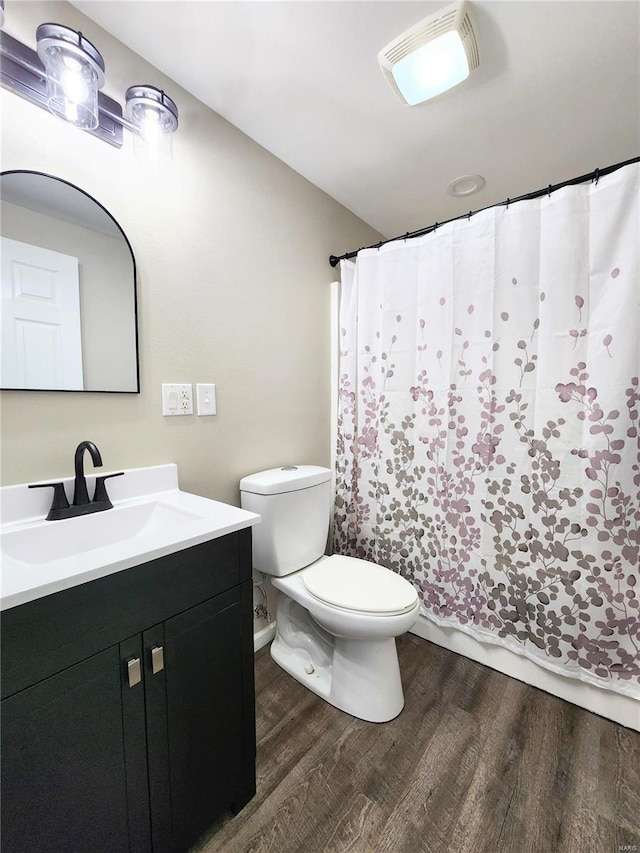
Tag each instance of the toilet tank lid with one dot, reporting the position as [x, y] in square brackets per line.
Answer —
[290, 478]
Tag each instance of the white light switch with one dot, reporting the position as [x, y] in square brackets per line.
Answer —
[177, 399]
[206, 398]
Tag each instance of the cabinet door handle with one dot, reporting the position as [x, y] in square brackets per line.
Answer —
[134, 671]
[157, 659]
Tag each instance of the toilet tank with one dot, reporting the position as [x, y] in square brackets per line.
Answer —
[295, 504]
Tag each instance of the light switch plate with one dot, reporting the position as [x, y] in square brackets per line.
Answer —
[177, 399]
[206, 399]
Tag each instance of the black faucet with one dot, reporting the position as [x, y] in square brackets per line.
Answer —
[81, 504]
[80, 493]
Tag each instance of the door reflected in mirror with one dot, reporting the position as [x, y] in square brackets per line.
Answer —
[69, 315]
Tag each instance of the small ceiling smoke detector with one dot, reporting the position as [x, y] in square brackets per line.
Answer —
[432, 56]
[465, 185]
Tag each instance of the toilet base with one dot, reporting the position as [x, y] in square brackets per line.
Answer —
[358, 676]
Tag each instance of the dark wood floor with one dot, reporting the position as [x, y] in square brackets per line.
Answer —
[476, 763]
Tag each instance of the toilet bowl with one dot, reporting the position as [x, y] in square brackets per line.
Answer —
[337, 617]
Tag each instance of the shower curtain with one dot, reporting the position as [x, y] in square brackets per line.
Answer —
[488, 436]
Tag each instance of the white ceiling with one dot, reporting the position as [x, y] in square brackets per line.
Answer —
[556, 95]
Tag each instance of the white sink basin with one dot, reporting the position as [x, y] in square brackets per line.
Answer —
[48, 541]
[150, 518]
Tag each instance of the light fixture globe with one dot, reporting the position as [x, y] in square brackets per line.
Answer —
[75, 71]
[154, 117]
[431, 57]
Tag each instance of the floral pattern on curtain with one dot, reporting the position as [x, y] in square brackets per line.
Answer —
[488, 435]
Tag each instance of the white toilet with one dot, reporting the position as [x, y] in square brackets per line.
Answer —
[337, 617]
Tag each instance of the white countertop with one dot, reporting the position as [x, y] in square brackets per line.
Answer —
[151, 517]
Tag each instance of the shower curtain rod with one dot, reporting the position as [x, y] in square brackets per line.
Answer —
[334, 260]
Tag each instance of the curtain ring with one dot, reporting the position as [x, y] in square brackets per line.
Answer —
[406, 236]
[508, 203]
[435, 227]
[597, 176]
[549, 191]
[470, 214]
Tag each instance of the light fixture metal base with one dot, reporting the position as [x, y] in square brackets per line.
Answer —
[151, 96]
[23, 73]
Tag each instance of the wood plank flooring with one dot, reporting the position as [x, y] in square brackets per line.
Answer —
[476, 763]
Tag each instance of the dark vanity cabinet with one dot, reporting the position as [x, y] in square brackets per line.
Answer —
[128, 706]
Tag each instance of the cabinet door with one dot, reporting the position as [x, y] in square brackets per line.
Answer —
[63, 762]
[203, 672]
[135, 744]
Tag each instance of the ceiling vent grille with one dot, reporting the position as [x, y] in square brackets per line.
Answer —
[452, 19]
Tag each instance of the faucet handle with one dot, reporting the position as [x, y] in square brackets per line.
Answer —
[100, 495]
[60, 501]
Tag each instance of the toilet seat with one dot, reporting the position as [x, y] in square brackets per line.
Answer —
[348, 583]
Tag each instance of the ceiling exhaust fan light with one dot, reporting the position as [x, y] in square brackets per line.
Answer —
[75, 71]
[431, 57]
[432, 69]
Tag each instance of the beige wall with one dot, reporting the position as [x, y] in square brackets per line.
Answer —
[232, 251]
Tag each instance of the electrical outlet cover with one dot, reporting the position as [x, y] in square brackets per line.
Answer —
[177, 399]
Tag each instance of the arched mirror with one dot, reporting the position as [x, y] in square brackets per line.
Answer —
[69, 316]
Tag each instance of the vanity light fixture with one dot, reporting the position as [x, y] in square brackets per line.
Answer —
[75, 71]
[431, 57]
[65, 75]
[154, 117]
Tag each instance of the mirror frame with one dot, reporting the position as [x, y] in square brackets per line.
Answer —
[135, 289]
